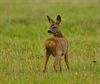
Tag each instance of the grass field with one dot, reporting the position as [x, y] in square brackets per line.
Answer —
[23, 31]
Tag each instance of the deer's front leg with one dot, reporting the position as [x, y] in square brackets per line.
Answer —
[60, 65]
[66, 60]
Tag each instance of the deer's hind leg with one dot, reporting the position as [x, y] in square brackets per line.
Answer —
[46, 60]
[57, 63]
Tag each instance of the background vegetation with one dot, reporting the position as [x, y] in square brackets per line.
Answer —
[23, 31]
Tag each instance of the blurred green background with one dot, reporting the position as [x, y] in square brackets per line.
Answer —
[23, 31]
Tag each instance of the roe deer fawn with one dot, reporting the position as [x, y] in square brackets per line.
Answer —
[56, 46]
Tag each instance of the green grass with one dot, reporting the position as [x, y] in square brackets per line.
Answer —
[23, 31]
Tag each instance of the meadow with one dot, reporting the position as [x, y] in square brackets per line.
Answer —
[23, 31]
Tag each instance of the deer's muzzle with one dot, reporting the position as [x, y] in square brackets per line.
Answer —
[49, 31]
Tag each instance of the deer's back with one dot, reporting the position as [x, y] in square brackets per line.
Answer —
[56, 45]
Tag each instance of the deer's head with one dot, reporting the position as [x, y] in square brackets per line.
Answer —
[54, 27]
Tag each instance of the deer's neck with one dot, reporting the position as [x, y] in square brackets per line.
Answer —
[58, 34]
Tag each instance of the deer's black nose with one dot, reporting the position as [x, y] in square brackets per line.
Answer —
[49, 31]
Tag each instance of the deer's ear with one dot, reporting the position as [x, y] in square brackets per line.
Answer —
[58, 19]
[49, 19]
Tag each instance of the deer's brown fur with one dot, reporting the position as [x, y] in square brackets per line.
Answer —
[56, 46]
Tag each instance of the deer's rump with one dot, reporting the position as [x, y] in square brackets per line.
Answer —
[56, 46]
